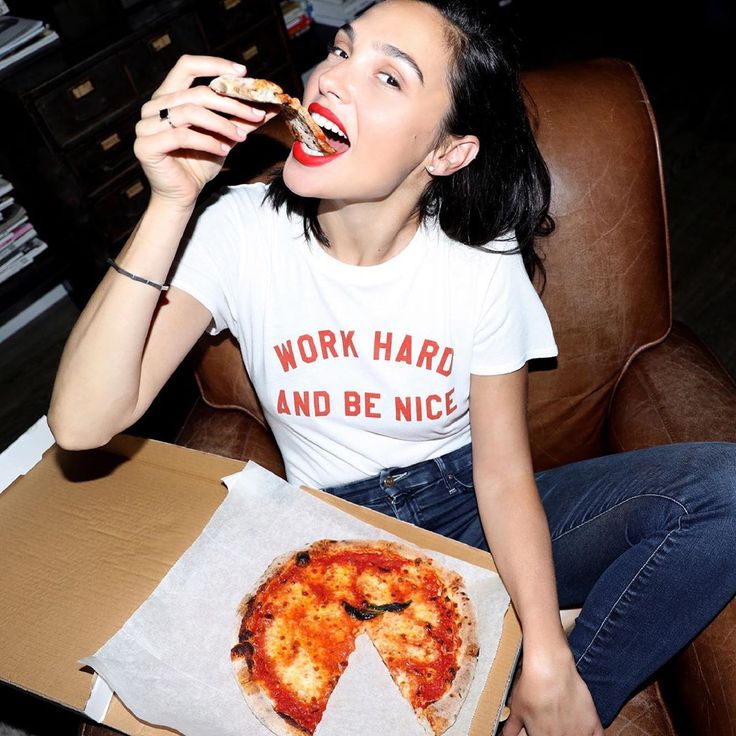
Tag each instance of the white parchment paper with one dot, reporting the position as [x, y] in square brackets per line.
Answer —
[170, 663]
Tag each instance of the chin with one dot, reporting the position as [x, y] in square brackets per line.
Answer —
[310, 182]
[296, 181]
[328, 183]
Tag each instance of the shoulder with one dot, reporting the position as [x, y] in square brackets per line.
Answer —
[476, 264]
[241, 199]
[233, 213]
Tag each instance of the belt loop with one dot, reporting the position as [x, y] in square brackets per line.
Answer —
[447, 477]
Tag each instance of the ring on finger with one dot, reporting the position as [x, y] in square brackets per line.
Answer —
[163, 114]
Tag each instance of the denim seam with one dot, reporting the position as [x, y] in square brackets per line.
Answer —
[625, 591]
[626, 500]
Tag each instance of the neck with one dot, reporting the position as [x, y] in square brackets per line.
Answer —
[368, 233]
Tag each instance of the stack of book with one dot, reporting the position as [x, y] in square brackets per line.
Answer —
[296, 16]
[22, 37]
[337, 12]
[19, 243]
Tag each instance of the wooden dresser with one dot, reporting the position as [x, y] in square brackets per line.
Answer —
[70, 114]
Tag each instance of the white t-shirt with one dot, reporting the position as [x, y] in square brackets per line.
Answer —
[359, 368]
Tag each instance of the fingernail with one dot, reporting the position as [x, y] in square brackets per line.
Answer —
[225, 147]
[239, 68]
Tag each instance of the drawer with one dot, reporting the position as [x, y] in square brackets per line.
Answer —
[104, 155]
[79, 105]
[116, 213]
[149, 60]
[221, 19]
[261, 51]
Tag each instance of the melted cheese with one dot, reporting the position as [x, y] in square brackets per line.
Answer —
[402, 637]
[277, 639]
[338, 579]
[425, 613]
[303, 676]
[376, 590]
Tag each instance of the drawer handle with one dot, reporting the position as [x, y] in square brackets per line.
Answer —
[160, 43]
[249, 53]
[82, 89]
[134, 190]
[230, 4]
[110, 142]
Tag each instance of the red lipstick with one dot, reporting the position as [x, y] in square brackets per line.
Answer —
[306, 159]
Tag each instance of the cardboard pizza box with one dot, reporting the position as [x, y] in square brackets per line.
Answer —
[88, 536]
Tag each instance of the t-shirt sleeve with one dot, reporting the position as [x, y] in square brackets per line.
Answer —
[513, 325]
[208, 264]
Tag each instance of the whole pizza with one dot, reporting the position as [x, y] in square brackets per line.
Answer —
[298, 628]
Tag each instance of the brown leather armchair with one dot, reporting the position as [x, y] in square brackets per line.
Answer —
[626, 376]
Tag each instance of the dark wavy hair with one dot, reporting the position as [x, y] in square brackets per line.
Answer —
[506, 189]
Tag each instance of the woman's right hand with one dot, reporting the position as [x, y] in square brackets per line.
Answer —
[180, 154]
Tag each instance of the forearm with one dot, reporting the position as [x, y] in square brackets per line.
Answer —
[518, 535]
[98, 382]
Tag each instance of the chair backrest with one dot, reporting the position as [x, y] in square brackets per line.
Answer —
[608, 292]
[608, 275]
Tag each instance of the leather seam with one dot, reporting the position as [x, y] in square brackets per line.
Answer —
[665, 224]
[655, 405]
[237, 407]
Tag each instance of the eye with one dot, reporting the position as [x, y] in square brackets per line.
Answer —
[333, 50]
[390, 81]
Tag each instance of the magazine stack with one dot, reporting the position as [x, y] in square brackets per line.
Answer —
[296, 17]
[337, 12]
[21, 38]
[19, 242]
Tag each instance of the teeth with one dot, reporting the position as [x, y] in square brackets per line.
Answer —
[311, 151]
[323, 122]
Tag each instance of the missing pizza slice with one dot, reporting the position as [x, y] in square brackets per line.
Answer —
[322, 138]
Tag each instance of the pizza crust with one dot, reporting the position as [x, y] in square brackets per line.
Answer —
[260, 704]
[296, 116]
[443, 712]
[435, 718]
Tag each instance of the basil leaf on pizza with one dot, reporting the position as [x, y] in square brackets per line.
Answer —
[298, 628]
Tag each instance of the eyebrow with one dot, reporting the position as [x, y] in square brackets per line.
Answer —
[387, 49]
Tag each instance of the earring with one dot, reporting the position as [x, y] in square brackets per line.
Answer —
[430, 168]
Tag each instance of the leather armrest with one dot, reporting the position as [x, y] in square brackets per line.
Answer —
[699, 684]
[231, 433]
[676, 391]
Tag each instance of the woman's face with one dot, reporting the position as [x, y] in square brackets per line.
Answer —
[384, 83]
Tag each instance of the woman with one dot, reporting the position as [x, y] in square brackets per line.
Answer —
[375, 338]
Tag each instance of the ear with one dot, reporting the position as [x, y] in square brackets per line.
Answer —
[456, 153]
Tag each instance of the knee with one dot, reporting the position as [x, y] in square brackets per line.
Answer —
[713, 468]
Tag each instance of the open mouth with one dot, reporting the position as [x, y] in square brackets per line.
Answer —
[326, 131]
[336, 136]
[332, 129]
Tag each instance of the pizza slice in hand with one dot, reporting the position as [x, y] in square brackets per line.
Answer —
[298, 628]
[301, 124]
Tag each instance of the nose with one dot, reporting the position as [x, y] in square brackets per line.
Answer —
[333, 82]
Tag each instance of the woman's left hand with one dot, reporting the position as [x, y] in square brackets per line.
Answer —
[550, 698]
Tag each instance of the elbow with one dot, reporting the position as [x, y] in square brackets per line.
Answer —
[71, 437]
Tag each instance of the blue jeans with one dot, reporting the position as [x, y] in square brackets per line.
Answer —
[642, 540]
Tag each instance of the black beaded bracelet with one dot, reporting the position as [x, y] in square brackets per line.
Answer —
[135, 277]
